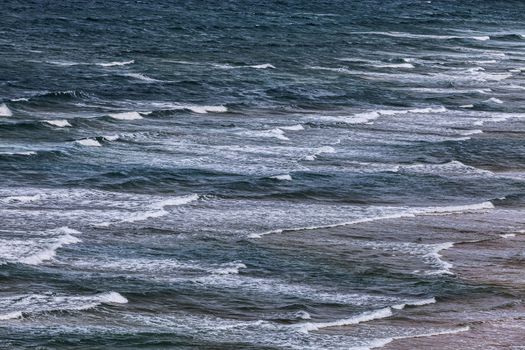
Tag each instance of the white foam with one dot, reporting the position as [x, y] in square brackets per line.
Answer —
[154, 210]
[200, 109]
[471, 132]
[65, 63]
[16, 306]
[402, 213]
[28, 153]
[115, 63]
[110, 137]
[426, 36]
[297, 127]
[364, 317]
[415, 303]
[366, 117]
[284, 177]
[455, 168]
[175, 201]
[508, 235]
[125, 116]
[206, 109]
[151, 267]
[379, 343]
[11, 315]
[444, 267]
[142, 77]
[394, 65]
[303, 315]
[36, 247]
[262, 66]
[494, 100]
[5, 111]
[89, 142]
[275, 133]
[452, 209]
[20, 99]
[256, 66]
[21, 199]
[466, 106]
[60, 123]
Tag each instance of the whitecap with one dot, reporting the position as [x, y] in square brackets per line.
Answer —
[414, 303]
[381, 342]
[142, 77]
[206, 109]
[89, 142]
[394, 65]
[284, 177]
[65, 63]
[318, 151]
[508, 235]
[60, 123]
[494, 100]
[435, 259]
[471, 132]
[21, 199]
[297, 127]
[256, 66]
[126, 116]
[364, 317]
[262, 66]
[27, 153]
[367, 117]
[33, 248]
[16, 306]
[200, 109]
[154, 210]
[454, 168]
[275, 133]
[401, 213]
[110, 137]
[115, 63]
[426, 36]
[5, 111]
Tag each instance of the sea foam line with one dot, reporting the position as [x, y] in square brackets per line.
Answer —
[364, 317]
[408, 213]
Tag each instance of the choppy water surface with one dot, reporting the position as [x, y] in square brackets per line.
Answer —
[261, 175]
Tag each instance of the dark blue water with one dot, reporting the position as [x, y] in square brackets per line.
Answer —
[257, 175]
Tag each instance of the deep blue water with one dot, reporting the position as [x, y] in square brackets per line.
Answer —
[252, 174]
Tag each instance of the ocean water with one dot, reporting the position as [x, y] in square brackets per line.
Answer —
[262, 174]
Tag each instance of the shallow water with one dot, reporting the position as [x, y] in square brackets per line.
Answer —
[265, 175]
